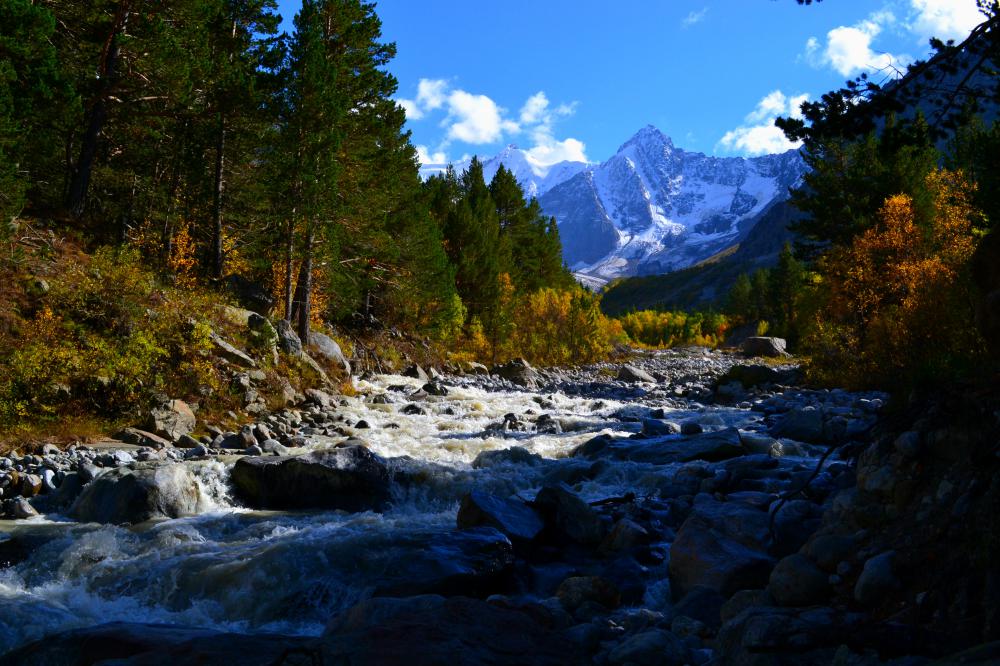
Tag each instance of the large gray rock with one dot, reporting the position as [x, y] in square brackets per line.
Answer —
[708, 446]
[171, 420]
[804, 424]
[754, 375]
[431, 630]
[877, 580]
[325, 347]
[630, 373]
[144, 438]
[124, 495]
[518, 371]
[349, 477]
[721, 545]
[230, 353]
[568, 516]
[288, 340]
[512, 517]
[416, 372]
[769, 347]
[796, 581]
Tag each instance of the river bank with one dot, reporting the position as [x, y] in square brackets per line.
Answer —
[691, 507]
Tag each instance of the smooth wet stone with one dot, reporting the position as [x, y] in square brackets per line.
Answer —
[20, 509]
[512, 517]
[124, 495]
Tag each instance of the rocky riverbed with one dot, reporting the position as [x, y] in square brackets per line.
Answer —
[668, 511]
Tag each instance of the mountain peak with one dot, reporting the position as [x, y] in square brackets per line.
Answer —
[646, 136]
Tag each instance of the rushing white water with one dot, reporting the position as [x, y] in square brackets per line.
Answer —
[290, 572]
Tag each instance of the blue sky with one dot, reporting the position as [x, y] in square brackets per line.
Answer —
[573, 79]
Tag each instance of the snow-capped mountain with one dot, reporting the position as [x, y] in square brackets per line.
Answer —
[653, 208]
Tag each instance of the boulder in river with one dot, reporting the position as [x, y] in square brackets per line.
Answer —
[416, 372]
[568, 516]
[349, 477]
[766, 346]
[124, 495]
[518, 371]
[804, 424]
[632, 374]
[512, 517]
[709, 446]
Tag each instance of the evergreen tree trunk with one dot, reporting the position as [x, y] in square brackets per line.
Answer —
[304, 297]
[77, 195]
[220, 152]
[289, 247]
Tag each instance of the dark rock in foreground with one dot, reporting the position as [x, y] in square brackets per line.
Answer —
[349, 477]
[709, 446]
[155, 645]
[428, 630]
[512, 517]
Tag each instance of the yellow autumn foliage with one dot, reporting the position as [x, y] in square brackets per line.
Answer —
[898, 304]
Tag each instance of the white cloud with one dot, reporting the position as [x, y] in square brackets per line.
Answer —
[944, 19]
[476, 119]
[426, 157]
[849, 49]
[432, 93]
[694, 17]
[535, 108]
[550, 151]
[411, 108]
[760, 136]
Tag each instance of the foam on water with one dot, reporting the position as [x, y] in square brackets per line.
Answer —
[243, 570]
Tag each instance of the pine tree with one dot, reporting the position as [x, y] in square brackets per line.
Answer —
[786, 281]
[34, 93]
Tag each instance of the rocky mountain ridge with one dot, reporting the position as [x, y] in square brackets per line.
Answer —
[652, 207]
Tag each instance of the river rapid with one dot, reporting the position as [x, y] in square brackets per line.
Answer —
[236, 569]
